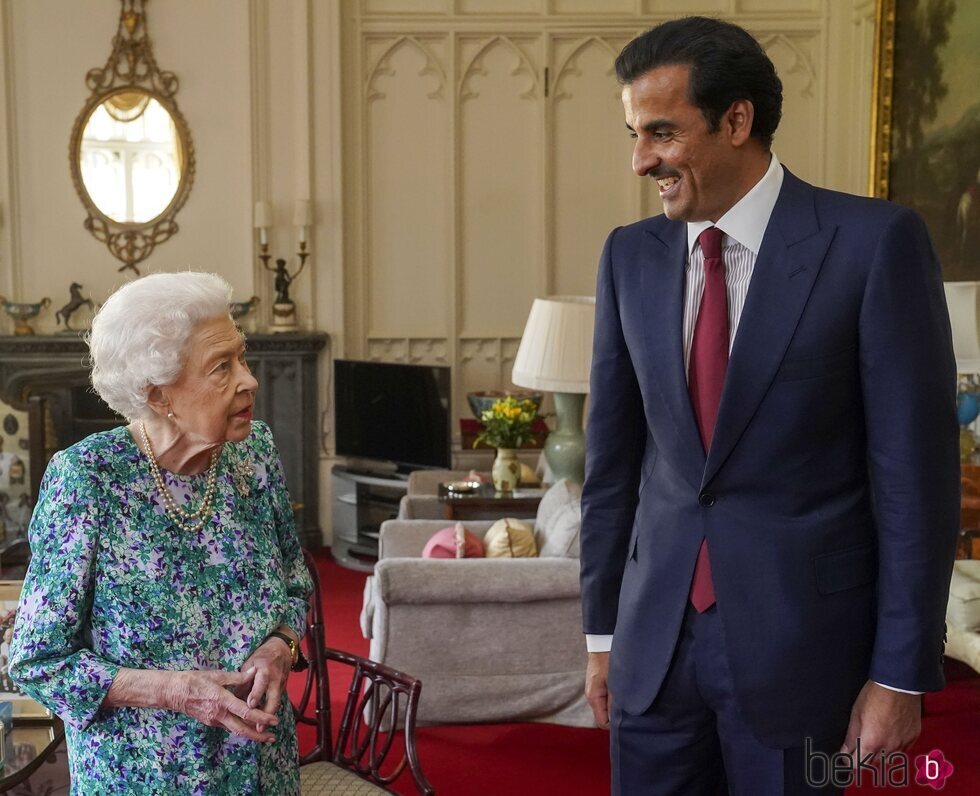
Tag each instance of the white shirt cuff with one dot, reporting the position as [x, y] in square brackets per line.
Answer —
[900, 690]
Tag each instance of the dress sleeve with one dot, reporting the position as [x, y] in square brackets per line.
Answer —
[50, 657]
[298, 582]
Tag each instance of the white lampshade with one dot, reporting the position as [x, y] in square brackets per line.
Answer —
[963, 300]
[263, 215]
[556, 350]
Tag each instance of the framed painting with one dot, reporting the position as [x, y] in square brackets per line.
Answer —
[23, 706]
[925, 149]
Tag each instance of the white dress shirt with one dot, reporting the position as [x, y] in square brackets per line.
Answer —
[744, 226]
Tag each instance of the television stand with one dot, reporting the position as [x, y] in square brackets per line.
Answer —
[362, 500]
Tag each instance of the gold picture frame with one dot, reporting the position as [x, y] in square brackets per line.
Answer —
[925, 122]
[883, 78]
[23, 706]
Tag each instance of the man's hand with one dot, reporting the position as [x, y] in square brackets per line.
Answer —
[596, 691]
[884, 720]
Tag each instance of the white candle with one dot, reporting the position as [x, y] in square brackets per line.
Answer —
[263, 215]
[302, 234]
[263, 236]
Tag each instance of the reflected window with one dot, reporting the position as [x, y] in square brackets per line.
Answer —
[130, 157]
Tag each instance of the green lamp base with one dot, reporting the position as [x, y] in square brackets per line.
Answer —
[564, 450]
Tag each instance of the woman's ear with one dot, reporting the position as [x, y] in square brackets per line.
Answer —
[158, 401]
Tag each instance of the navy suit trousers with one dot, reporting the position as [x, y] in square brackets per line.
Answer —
[694, 740]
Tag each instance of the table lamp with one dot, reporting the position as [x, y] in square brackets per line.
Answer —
[556, 355]
[963, 299]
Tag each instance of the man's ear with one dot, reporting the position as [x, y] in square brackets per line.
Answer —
[157, 400]
[737, 121]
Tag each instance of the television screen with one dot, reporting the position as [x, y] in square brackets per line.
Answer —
[394, 413]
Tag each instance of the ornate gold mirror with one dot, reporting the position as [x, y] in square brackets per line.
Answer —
[132, 160]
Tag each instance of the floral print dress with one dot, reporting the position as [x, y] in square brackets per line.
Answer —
[113, 583]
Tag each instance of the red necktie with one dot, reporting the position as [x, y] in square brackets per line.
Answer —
[706, 377]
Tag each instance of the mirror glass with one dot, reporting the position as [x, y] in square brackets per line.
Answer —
[131, 157]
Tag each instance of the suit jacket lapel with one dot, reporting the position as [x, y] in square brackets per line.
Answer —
[789, 260]
[662, 275]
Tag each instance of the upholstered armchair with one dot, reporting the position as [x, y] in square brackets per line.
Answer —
[963, 614]
[494, 639]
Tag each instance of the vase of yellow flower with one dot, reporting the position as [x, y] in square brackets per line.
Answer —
[506, 470]
[507, 426]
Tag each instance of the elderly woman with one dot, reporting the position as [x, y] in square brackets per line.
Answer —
[167, 592]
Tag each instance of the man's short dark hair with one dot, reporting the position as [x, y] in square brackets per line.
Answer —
[726, 64]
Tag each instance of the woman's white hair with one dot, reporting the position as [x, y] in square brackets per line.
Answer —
[139, 337]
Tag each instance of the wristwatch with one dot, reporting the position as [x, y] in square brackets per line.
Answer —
[299, 662]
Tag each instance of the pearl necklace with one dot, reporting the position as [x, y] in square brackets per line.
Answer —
[190, 521]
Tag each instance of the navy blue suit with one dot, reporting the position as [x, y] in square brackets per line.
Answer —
[830, 493]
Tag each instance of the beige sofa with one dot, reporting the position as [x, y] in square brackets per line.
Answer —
[963, 614]
[491, 639]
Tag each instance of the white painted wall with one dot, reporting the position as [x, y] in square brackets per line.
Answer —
[449, 190]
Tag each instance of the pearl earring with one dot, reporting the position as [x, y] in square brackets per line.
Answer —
[170, 415]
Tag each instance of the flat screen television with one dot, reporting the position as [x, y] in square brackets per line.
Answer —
[392, 413]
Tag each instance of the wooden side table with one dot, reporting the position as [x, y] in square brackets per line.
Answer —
[30, 745]
[488, 504]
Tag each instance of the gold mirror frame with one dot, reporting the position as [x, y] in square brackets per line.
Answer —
[883, 79]
[132, 67]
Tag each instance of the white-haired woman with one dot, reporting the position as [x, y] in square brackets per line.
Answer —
[167, 591]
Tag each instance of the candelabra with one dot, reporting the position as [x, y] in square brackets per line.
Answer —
[283, 309]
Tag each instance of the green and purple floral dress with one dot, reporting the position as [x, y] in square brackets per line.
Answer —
[114, 583]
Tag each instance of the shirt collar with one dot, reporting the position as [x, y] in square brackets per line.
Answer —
[747, 219]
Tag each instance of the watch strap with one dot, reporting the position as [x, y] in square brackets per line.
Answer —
[291, 643]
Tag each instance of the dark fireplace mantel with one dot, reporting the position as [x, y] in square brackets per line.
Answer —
[48, 376]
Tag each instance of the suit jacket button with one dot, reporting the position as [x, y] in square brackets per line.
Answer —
[706, 499]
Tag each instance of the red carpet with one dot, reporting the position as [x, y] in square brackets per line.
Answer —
[548, 760]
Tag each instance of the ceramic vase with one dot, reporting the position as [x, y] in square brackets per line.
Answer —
[506, 470]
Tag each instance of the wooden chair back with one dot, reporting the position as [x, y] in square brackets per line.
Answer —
[381, 705]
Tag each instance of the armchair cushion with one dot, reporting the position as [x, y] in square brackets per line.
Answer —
[562, 494]
[560, 537]
[559, 521]
[406, 581]
[510, 538]
[407, 538]
[453, 542]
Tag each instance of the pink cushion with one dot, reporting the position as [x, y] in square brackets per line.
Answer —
[453, 542]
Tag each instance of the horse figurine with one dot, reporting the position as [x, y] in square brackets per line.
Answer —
[74, 304]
